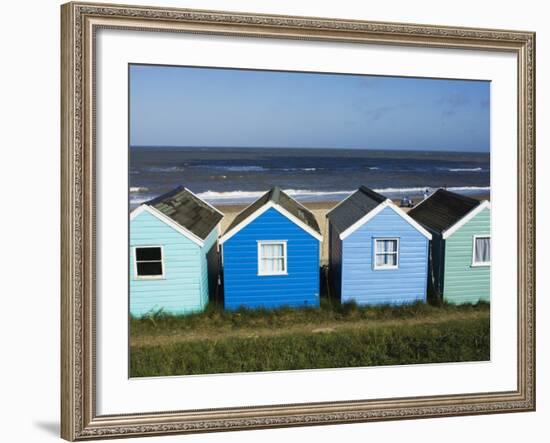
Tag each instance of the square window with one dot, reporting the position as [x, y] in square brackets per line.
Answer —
[272, 258]
[481, 255]
[148, 261]
[386, 253]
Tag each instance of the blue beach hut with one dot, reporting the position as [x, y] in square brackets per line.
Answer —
[271, 254]
[377, 253]
[173, 254]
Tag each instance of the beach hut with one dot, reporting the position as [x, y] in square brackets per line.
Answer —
[271, 254]
[377, 253]
[460, 248]
[173, 254]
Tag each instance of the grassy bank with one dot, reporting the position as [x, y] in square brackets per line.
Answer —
[217, 341]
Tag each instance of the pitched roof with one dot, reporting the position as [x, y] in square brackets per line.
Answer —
[355, 207]
[188, 211]
[442, 209]
[278, 197]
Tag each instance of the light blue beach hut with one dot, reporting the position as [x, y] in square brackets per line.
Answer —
[377, 253]
[173, 254]
[271, 254]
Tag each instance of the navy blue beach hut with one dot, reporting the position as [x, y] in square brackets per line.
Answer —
[271, 254]
[377, 253]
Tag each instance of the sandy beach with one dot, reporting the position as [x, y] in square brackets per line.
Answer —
[319, 209]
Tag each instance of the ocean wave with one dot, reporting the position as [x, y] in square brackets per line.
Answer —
[469, 188]
[466, 189]
[136, 189]
[311, 195]
[165, 169]
[236, 197]
[139, 200]
[463, 169]
[299, 169]
[243, 168]
[253, 168]
[252, 195]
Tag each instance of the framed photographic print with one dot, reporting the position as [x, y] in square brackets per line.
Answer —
[282, 221]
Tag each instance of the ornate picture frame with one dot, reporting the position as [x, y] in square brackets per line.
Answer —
[80, 22]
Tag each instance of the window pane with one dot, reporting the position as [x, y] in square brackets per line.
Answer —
[386, 245]
[148, 254]
[267, 266]
[386, 260]
[149, 268]
[272, 250]
[272, 260]
[272, 265]
[482, 253]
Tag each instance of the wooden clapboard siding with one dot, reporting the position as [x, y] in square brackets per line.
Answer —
[463, 282]
[242, 284]
[365, 285]
[182, 289]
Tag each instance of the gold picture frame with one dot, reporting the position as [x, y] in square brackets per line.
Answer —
[80, 21]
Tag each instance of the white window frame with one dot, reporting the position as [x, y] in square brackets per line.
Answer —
[148, 277]
[374, 254]
[474, 238]
[261, 272]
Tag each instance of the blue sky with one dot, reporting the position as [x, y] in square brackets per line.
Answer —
[180, 106]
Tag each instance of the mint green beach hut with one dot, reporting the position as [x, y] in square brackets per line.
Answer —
[460, 249]
[173, 254]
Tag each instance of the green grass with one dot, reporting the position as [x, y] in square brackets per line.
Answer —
[333, 336]
[215, 318]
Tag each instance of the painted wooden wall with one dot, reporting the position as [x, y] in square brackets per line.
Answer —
[182, 290]
[464, 283]
[362, 283]
[242, 284]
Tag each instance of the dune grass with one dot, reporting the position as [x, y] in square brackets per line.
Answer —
[334, 336]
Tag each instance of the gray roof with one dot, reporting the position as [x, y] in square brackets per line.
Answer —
[188, 211]
[355, 207]
[442, 209]
[278, 197]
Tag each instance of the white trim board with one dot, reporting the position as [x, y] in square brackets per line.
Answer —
[138, 277]
[450, 231]
[480, 264]
[167, 220]
[137, 211]
[263, 209]
[261, 271]
[376, 267]
[385, 204]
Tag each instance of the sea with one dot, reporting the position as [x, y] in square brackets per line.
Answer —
[224, 176]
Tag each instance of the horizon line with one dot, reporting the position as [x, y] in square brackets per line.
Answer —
[304, 147]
